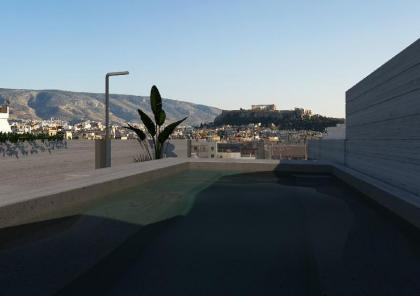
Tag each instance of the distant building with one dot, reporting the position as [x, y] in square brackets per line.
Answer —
[4, 123]
[203, 149]
[52, 131]
[270, 107]
[68, 135]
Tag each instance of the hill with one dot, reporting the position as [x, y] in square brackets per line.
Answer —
[76, 106]
[286, 119]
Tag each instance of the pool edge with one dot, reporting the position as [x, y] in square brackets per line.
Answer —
[33, 206]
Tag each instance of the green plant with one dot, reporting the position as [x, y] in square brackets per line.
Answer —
[156, 130]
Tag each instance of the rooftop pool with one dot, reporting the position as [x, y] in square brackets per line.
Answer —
[217, 232]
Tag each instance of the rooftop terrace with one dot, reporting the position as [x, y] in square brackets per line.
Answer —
[346, 223]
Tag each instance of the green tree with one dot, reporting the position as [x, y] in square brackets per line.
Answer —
[158, 134]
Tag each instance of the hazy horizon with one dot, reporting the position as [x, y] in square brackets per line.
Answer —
[226, 55]
[144, 95]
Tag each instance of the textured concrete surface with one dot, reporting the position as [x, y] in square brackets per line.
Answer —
[383, 122]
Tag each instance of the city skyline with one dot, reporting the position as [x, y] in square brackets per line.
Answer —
[226, 55]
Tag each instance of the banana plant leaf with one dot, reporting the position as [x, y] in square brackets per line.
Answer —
[156, 103]
[147, 121]
[164, 135]
[139, 132]
[161, 118]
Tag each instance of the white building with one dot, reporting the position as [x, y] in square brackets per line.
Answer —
[68, 135]
[4, 123]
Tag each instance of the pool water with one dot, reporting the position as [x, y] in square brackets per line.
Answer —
[157, 200]
[219, 233]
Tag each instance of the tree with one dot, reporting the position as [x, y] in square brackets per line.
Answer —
[157, 133]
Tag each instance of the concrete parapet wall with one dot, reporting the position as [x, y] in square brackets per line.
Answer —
[383, 122]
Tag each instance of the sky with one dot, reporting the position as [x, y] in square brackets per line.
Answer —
[227, 54]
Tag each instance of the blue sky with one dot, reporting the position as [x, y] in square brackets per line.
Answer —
[228, 54]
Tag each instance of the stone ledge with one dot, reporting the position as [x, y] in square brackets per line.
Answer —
[403, 203]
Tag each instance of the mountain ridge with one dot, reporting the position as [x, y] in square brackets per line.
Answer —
[75, 106]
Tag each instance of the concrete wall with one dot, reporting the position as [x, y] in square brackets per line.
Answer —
[332, 150]
[383, 122]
